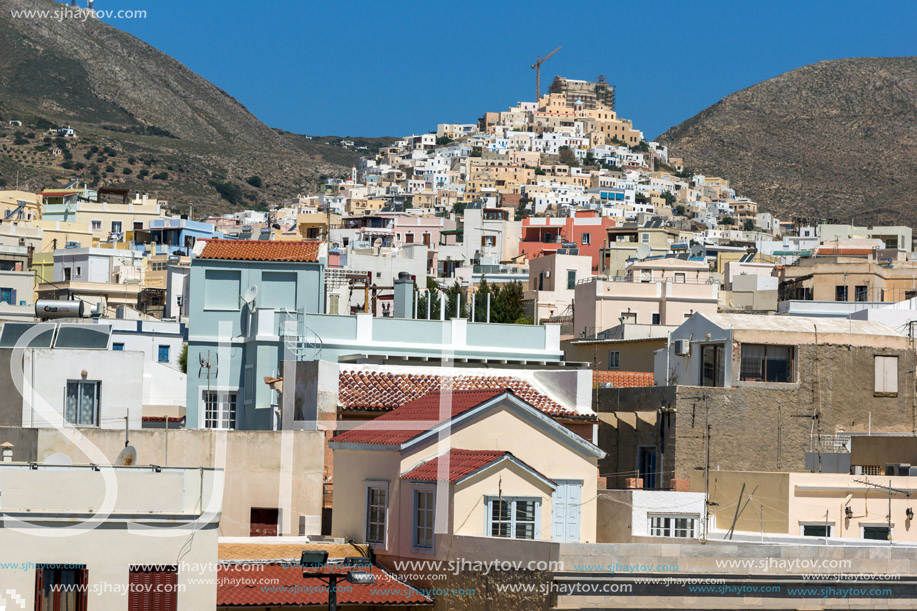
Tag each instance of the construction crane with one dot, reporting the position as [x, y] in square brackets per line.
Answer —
[537, 68]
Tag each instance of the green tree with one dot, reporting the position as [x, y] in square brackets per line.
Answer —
[567, 156]
[727, 220]
[670, 199]
[522, 208]
[443, 140]
[431, 295]
[183, 359]
[254, 181]
[680, 209]
[748, 225]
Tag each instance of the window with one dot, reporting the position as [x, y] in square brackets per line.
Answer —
[629, 317]
[117, 346]
[840, 293]
[153, 588]
[409, 238]
[376, 509]
[163, 354]
[680, 277]
[765, 363]
[67, 272]
[278, 290]
[249, 384]
[513, 518]
[886, 380]
[672, 526]
[8, 295]
[571, 279]
[587, 239]
[116, 226]
[263, 522]
[96, 225]
[656, 318]
[50, 592]
[220, 409]
[816, 530]
[645, 238]
[614, 359]
[82, 403]
[138, 225]
[222, 289]
[488, 240]
[423, 518]
[713, 360]
[646, 275]
[876, 533]
[861, 293]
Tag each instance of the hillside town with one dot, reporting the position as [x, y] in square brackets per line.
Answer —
[532, 361]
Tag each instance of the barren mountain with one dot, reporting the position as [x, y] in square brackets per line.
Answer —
[836, 139]
[143, 120]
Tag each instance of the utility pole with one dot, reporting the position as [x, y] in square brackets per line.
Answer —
[706, 469]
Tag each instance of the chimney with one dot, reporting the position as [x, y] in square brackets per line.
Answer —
[404, 295]
[7, 451]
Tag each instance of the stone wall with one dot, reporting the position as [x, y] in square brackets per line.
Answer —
[753, 426]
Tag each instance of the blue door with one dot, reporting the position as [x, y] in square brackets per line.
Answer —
[565, 507]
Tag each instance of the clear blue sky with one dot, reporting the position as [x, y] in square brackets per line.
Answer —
[357, 68]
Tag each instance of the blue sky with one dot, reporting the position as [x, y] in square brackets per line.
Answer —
[355, 68]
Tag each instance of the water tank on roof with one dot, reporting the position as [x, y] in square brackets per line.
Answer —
[59, 308]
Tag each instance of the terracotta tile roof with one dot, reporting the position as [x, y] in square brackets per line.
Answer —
[623, 379]
[243, 586]
[261, 250]
[280, 551]
[456, 465]
[162, 418]
[461, 463]
[415, 417]
[381, 391]
[831, 250]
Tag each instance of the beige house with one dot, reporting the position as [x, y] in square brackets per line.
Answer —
[109, 529]
[552, 283]
[818, 505]
[653, 292]
[412, 478]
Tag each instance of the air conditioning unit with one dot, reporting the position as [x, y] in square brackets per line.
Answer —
[898, 469]
[682, 347]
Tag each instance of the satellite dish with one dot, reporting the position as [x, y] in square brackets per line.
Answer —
[127, 457]
[250, 294]
[643, 251]
[59, 458]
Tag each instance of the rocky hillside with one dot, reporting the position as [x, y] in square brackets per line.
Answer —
[143, 120]
[837, 139]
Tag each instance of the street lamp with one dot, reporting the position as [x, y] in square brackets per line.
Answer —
[317, 561]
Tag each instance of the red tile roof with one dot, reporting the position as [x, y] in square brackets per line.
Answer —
[59, 192]
[831, 250]
[261, 250]
[282, 584]
[413, 418]
[457, 464]
[380, 391]
[623, 379]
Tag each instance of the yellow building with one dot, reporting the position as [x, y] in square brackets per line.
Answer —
[19, 205]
